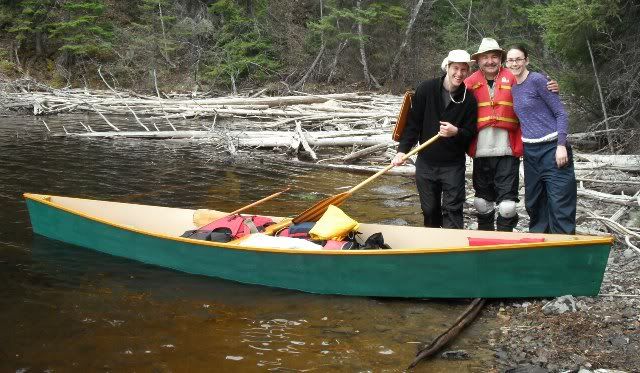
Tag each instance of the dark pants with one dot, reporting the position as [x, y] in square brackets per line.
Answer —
[496, 179]
[550, 192]
[442, 194]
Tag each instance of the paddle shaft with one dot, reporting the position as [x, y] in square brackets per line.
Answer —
[384, 170]
[265, 199]
[315, 212]
[242, 209]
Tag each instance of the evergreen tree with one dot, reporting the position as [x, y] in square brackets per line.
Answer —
[32, 23]
[82, 31]
[242, 48]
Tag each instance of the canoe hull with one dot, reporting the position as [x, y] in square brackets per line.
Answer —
[521, 272]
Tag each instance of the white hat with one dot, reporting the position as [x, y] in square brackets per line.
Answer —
[489, 45]
[456, 55]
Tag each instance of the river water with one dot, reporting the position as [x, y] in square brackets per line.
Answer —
[65, 308]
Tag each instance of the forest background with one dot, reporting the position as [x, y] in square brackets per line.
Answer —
[282, 46]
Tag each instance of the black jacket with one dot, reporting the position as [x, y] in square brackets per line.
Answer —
[427, 110]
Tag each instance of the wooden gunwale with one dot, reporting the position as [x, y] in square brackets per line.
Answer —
[43, 199]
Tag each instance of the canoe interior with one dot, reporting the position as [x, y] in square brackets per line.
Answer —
[172, 222]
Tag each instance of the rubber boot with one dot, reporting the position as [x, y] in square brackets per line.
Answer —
[486, 221]
[506, 224]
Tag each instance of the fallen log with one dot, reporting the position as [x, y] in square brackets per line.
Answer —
[463, 320]
[349, 158]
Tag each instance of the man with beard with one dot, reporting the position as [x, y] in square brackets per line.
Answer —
[497, 149]
[442, 106]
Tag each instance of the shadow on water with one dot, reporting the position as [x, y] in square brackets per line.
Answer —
[66, 308]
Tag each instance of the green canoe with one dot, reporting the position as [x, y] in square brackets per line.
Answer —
[423, 262]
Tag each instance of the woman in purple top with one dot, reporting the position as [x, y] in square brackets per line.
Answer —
[549, 176]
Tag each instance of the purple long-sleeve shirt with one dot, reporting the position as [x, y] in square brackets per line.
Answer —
[540, 111]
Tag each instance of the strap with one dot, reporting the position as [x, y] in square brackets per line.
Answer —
[494, 103]
[501, 119]
[249, 223]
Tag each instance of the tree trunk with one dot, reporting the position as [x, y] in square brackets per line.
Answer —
[368, 77]
[38, 36]
[393, 69]
[604, 108]
[302, 80]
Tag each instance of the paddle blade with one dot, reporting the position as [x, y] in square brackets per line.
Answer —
[315, 212]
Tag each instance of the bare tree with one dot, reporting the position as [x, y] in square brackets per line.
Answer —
[393, 69]
[368, 77]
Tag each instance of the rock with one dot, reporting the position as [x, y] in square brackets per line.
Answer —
[608, 371]
[582, 305]
[560, 305]
[629, 313]
[619, 341]
[342, 330]
[579, 360]
[628, 253]
[501, 355]
[456, 355]
[382, 328]
[394, 221]
[527, 368]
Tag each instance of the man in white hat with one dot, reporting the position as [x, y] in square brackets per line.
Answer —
[498, 146]
[442, 106]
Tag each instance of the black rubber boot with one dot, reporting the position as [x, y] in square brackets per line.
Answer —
[506, 224]
[486, 221]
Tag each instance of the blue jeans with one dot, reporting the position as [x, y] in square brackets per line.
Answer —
[550, 192]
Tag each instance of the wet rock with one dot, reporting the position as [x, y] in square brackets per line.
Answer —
[565, 303]
[342, 330]
[527, 368]
[388, 189]
[382, 328]
[396, 203]
[456, 355]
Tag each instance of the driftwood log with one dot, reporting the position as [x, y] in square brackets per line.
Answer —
[446, 337]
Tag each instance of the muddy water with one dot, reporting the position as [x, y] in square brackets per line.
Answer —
[64, 308]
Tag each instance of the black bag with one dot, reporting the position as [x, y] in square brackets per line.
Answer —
[217, 235]
[374, 242]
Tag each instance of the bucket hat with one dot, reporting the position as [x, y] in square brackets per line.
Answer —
[489, 45]
[456, 55]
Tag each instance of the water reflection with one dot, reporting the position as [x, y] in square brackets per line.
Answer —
[66, 308]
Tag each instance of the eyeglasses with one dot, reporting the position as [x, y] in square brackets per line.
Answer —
[512, 61]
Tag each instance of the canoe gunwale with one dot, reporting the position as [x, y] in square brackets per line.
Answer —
[46, 200]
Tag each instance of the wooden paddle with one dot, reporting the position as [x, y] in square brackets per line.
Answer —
[245, 208]
[315, 212]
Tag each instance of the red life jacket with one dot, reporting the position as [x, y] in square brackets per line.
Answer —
[239, 225]
[497, 112]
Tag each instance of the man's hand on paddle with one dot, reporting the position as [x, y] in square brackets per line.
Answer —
[447, 129]
[397, 160]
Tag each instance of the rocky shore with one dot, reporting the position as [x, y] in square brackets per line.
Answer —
[574, 334]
